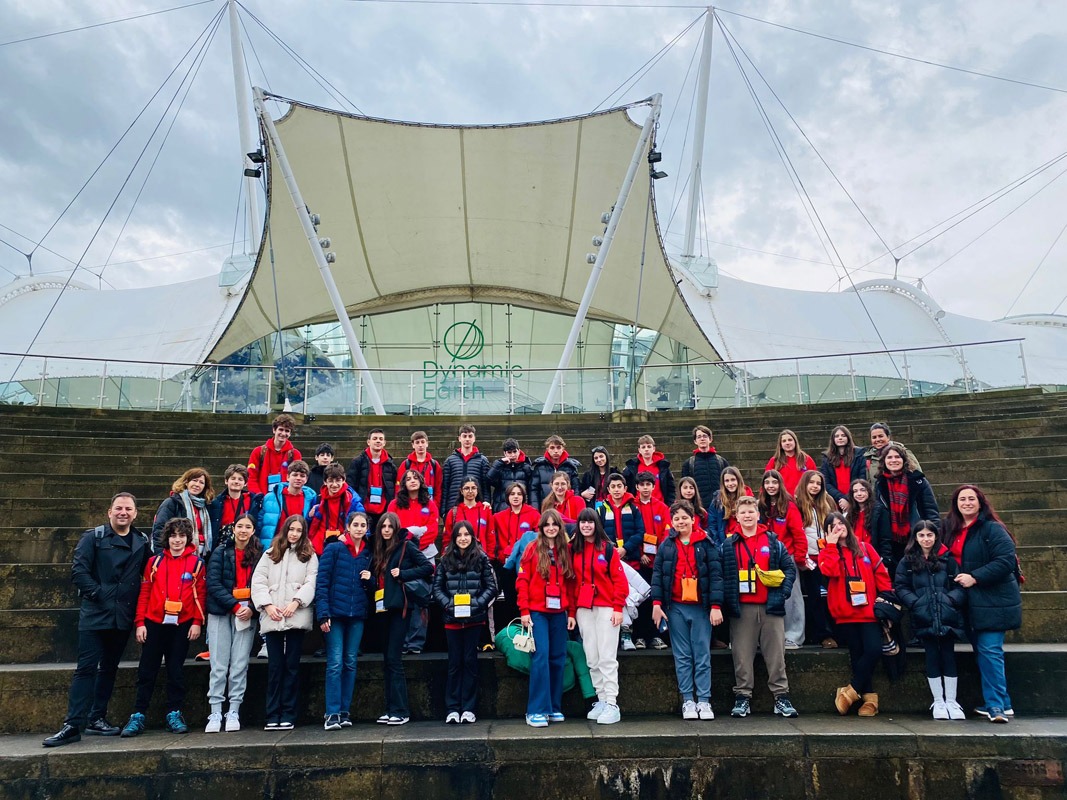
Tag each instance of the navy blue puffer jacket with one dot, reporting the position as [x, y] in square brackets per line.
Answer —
[339, 591]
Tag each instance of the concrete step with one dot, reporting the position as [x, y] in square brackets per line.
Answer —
[50, 635]
[815, 756]
[35, 698]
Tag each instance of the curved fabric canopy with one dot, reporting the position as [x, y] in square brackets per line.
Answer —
[421, 214]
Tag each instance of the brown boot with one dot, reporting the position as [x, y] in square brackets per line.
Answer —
[846, 696]
[870, 705]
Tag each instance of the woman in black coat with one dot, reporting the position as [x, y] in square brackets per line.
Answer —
[464, 586]
[925, 582]
[901, 498]
[989, 571]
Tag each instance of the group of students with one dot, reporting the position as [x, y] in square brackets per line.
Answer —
[815, 552]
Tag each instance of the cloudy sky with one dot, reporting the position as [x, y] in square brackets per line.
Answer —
[918, 146]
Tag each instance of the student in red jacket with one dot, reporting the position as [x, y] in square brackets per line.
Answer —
[860, 508]
[473, 509]
[598, 594]
[545, 573]
[336, 502]
[425, 464]
[268, 464]
[790, 460]
[563, 499]
[856, 576]
[780, 514]
[656, 516]
[508, 527]
[170, 614]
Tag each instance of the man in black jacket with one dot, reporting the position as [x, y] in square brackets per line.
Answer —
[705, 465]
[108, 564]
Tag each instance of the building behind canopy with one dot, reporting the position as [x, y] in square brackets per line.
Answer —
[461, 256]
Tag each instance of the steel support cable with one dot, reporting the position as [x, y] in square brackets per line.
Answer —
[214, 22]
[644, 68]
[188, 80]
[303, 63]
[814, 210]
[783, 156]
[928, 62]
[811, 144]
[1056, 177]
[213, 26]
[1040, 264]
[102, 24]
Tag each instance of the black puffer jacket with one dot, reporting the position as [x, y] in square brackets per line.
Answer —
[456, 470]
[478, 580]
[709, 571]
[936, 602]
[705, 469]
[222, 577]
[994, 602]
[502, 474]
[779, 559]
[543, 470]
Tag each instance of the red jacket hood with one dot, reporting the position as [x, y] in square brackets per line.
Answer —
[656, 458]
[326, 494]
[626, 498]
[474, 452]
[414, 459]
[382, 459]
[697, 451]
[562, 457]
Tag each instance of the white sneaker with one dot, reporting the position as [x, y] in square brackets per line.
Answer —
[704, 711]
[610, 715]
[689, 710]
[262, 651]
[596, 710]
[627, 643]
[452, 718]
[214, 723]
[791, 645]
[940, 709]
[468, 717]
[955, 710]
[233, 722]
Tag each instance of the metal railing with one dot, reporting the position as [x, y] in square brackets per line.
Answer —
[472, 389]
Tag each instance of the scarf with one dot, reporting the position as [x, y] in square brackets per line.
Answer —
[899, 511]
[196, 510]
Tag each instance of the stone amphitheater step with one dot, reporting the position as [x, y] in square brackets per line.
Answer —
[34, 697]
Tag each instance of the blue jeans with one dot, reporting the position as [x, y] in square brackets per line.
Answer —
[690, 628]
[342, 647]
[989, 653]
[546, 662]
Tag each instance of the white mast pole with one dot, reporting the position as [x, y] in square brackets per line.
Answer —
[602, 254]
[248, 143]
[703, 77]
[317, 252]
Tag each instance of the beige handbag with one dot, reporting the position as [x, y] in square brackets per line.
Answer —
[523, 640]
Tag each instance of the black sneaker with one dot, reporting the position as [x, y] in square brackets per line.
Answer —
[784, 707]
[346, 719]
[333, 722]
[742, 706]
[101, 727]
[68, 734]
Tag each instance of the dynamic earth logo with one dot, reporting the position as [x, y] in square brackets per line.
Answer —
[463, 342]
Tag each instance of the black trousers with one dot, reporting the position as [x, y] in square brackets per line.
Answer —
[461, 689]
[864, 641]
[170, 642]
[940, 656]
[816, 614]
[396, 685]
[94, 677]
[283, 674]
[643, 627]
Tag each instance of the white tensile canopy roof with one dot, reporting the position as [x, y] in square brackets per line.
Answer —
[421, 214]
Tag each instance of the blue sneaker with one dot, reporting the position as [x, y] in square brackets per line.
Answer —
[537, 720]
[135, 727]
[556, 716]
[175, 722]
[997, 715]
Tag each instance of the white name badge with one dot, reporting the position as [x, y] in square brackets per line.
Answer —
[461, 605]
[430, 551]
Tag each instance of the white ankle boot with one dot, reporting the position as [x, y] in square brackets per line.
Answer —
[955, 710]
[939, 707]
